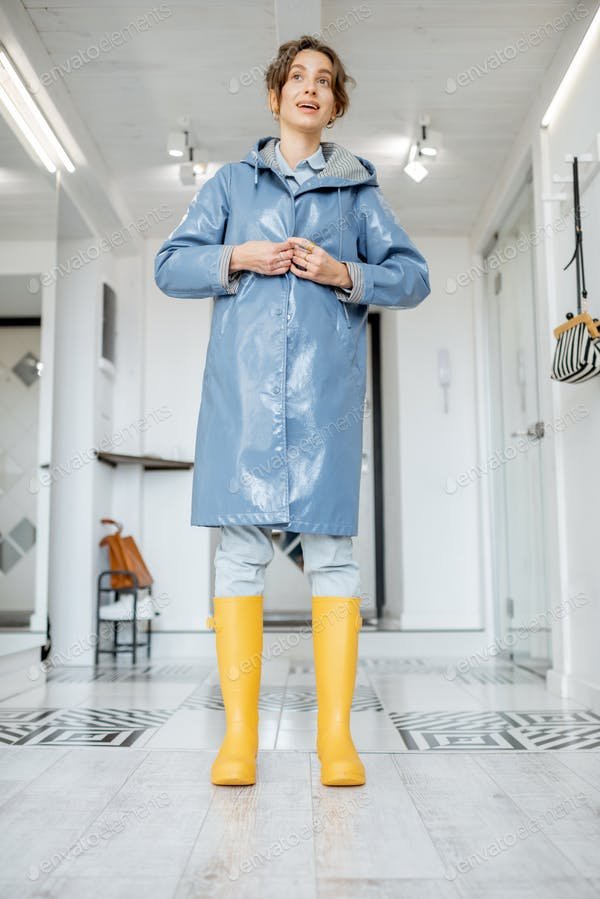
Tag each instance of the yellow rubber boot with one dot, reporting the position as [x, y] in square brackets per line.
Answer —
[238, 623]
[336, 622]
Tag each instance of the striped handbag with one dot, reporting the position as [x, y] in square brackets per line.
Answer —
[577, 352]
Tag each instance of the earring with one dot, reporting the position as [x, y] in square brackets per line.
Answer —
[330, 123]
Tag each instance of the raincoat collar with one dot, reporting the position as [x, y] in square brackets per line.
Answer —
[316, 160]
[342, 168]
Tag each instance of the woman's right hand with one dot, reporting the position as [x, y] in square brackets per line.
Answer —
[262, 256]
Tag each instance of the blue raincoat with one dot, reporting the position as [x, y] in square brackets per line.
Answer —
[279, 433]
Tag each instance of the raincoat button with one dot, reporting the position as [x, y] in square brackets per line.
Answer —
[278, 311]
[276, 390]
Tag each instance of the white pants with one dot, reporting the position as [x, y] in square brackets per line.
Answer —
[245, 551]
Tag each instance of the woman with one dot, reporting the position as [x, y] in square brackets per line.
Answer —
[293, 243]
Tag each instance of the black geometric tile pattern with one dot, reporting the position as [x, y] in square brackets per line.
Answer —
[78, 727]
[211, 697]
[301, 668]
[78, 674]
[494, 730]
[18, 723]
[544, 729]
[499, 676]
[303, 699]
[393, 665]
[486, 673]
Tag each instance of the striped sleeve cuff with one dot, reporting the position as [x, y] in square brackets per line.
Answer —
[230, 283]
[355, 293]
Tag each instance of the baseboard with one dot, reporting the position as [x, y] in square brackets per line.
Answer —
[21, 670]
[297, 643]
[570, 687]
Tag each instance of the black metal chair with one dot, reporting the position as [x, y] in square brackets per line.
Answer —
[119, 611]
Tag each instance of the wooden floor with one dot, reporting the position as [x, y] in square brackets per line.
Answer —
[479, 784]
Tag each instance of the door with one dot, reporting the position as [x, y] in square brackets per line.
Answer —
[517, 430]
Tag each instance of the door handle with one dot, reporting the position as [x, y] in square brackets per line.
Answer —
[536, 430]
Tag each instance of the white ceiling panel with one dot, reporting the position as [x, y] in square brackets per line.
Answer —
[405, 56]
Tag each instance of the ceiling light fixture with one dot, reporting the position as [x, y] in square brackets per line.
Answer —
[197, 166]
[415, 169]
[177, 143]
[25, 112]
[430, 141]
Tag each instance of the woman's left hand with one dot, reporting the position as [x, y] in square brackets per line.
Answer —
[313, 262]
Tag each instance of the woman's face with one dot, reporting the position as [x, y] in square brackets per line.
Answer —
[310, 82]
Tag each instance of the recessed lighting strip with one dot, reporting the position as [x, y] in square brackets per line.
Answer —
[27, 130]
[573, 71]
[33, 108]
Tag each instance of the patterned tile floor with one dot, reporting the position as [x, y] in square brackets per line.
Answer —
[400, 705]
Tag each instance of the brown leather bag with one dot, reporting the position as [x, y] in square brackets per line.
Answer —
[124, 555]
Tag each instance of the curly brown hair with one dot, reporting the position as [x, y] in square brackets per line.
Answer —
[278, 71]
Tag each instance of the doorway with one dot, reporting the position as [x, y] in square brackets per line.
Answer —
[523, 627]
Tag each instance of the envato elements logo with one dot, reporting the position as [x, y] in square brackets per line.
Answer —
[292, 639]
[501, 456]
[341, 224]
[317, 438]
[81, 458]
[104, 831]
[62, 658]
[155, 601]
[500, 257]
[91, 253]
[510, 52]
[105, 45]
[537, 623]
[285, 843]
[533, 825]
[342, 23]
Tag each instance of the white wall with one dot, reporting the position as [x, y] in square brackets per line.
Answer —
[576, 130]
[73, 469]
[431, 527]
[568, 456]
[175, 341]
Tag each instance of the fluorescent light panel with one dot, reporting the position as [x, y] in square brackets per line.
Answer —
[32, 107]
[27, 131]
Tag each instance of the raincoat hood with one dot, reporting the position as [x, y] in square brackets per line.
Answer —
[342, 167]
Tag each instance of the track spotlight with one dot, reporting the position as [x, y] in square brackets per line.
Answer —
[177, 143]
[415, 169]
[430, 141]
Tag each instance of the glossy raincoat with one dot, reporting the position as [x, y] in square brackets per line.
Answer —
[280, 426]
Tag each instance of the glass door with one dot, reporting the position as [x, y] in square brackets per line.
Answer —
[523, 625]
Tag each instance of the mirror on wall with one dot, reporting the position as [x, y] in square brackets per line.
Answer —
[28, 228]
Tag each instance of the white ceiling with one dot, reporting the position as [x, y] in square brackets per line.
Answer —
[402, 54]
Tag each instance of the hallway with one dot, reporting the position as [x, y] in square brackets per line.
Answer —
[479, 782]
[317, 269]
